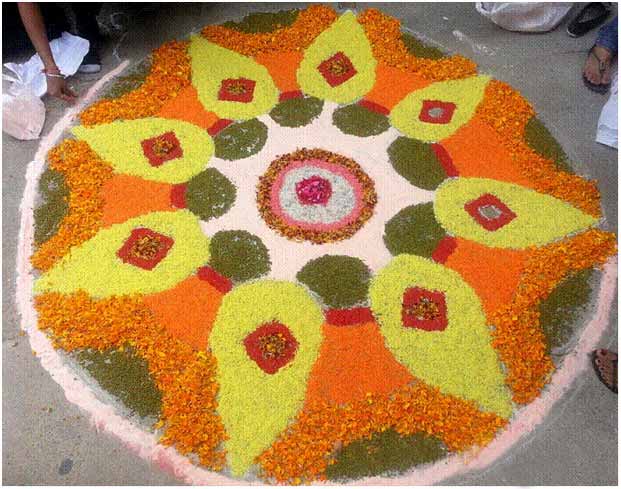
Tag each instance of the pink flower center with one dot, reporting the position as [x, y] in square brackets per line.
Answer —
[314, 190]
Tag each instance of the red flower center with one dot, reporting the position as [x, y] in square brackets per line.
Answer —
[237, 90]
[162, 148]
[337, 69]
[271, 346]
[314, 190]
[145, 248]
[424, 309]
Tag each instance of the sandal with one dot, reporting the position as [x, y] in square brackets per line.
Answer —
[603, 361]
[603, 67]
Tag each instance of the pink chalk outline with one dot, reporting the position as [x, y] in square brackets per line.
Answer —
[105, 419]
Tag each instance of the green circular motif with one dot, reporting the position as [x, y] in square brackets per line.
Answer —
[359, 121]
[297, 112]
[413, 230]
[239, 255]
[209, 194]
[240, 140]
[340, 281]
[416, 162]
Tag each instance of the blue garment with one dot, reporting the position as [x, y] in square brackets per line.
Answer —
[607, 36]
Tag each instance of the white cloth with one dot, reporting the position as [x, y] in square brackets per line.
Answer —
[68, 51]
[525, 16]
[607, 126]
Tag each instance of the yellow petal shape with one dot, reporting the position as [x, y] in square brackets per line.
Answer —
[539, 218]
[256, 406]
[95, 268]
[212, 65]
[459, 359]
[120, 144]
[461, 97]
[344, 36]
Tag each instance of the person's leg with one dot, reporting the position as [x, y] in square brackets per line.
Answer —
[86, 21]
[597, 66]
[87, 27]
[607, 36]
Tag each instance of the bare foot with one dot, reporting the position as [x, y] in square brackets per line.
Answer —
[605, 363]
[597, 66]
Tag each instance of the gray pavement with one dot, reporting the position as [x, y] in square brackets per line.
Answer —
[48, 441]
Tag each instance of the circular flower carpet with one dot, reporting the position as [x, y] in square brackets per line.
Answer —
[308, 247]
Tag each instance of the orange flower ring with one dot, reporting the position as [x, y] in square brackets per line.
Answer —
[327, 250]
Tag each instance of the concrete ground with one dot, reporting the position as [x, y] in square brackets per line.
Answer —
[46, 440]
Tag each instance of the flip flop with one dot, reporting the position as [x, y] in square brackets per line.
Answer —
[603, 66]
[592, 15]
[596, 357]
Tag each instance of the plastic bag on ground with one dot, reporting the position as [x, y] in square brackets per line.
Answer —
[23, 114]
[607, 126]
[525, 16]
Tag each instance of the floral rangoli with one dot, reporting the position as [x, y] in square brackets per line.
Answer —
[308, 247]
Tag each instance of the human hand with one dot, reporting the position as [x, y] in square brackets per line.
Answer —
[57, 87]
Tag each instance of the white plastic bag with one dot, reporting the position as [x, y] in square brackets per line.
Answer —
[608, 124]
[524, 16]
[23, 112]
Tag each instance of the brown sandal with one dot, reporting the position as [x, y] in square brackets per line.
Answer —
[603, 361]
[603, 67]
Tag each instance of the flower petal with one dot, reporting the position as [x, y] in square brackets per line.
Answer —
[131, 147]
[101, 269]
[339, 65]
[505, 215]
[434, 324]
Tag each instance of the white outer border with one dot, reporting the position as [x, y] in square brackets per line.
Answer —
[105, 419]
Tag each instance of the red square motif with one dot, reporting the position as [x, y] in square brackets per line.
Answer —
[437, 112]
[424, 309]
[271, 346]
[162, 148]
[490, 212]
[237, 90]
[145, 248]
[337, 69]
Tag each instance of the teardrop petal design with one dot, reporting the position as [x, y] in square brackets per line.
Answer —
[267, 333]
[434, 324]
[438, 110]
[339, 65]
[145, 255]
[230, 84]
[505, 215]
[158, 149]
